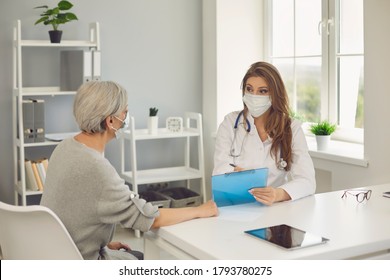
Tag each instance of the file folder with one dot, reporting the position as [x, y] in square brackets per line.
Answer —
[33, 120]
[28, 121]
[232, 188]
[39, 120]
[76, 69]
[96, 71]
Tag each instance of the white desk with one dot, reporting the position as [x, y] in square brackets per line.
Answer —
[355, 230]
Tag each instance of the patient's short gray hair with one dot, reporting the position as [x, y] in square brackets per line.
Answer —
[97, 100]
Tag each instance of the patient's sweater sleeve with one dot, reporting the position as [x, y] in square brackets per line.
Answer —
[117, 204]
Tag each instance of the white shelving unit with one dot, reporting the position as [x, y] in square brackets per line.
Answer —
[177, 173]
[20, 92]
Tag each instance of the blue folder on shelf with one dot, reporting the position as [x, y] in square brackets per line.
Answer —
[232, 188]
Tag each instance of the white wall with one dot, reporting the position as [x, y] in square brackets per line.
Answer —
[232, 34]
[209, 83]
[239, 44]
[152, 47]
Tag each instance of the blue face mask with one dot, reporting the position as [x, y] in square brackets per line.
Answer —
[119, 131]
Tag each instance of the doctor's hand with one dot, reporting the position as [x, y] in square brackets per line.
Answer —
[237, 168]
[269, 195]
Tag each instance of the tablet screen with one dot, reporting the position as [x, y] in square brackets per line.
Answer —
[287, 236]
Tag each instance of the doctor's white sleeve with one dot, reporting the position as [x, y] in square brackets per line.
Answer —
[223, 143]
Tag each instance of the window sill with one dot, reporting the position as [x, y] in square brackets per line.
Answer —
[339, 151]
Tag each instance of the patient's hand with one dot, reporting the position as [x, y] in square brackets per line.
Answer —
[116, 245]
[208, 209]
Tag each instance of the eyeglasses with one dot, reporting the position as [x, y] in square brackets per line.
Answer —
[360, 195]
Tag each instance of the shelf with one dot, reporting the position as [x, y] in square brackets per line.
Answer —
[41, 91]
[63, 44]
[143, 134]
[163, 175]
[186, 172]
[28, 192]
[93, 42]
[170, 174]
[19, 93]
[38, 144]
[52, 139]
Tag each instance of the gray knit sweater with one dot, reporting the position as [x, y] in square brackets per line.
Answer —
[90, 198]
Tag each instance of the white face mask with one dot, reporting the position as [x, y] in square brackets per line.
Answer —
[119, 131]
[257, 104]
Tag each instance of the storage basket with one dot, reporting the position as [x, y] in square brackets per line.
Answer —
[156, 198]
[182, 197]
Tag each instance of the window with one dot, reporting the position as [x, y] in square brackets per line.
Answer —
[317, 45]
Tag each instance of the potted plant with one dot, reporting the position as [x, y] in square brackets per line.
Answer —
[322, 130]
[153, 120]
[55, 16]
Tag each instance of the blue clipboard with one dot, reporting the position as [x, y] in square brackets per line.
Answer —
[232, 188]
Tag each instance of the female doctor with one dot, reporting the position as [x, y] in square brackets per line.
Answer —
[264, 135]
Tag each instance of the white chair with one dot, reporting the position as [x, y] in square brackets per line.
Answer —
[34, 233]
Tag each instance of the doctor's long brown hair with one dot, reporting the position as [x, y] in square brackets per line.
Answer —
[278, 123]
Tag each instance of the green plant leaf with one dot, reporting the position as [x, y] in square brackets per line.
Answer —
[71, 16]
[322, 128]
[41, 19]
[42, 7]
[54, 16]
[64, 5]
[153, 111]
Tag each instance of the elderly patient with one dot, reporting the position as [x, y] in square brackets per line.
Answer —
[86, 192]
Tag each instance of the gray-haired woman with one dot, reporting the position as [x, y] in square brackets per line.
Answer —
[86, 192]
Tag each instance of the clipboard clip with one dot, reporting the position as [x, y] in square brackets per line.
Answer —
[242, 171]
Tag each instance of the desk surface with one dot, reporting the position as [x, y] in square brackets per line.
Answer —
[354, 229]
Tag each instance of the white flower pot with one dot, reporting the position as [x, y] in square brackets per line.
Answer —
[322, 142]
[153, 125]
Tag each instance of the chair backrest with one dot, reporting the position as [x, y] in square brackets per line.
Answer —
[34, 233]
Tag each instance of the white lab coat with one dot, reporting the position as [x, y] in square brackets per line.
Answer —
[298, 182]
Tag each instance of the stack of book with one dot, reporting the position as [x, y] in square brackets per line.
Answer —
[36, 174]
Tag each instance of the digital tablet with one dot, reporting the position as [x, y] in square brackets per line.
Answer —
[287, 237]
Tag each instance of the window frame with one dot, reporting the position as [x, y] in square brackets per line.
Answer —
[329, 28]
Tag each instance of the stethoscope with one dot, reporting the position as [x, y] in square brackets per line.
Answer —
[281, 164]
